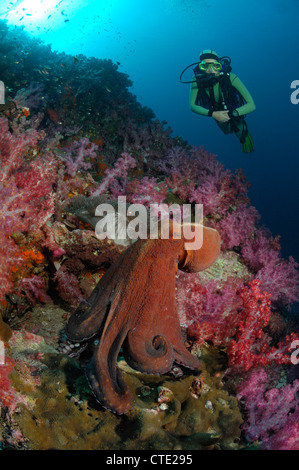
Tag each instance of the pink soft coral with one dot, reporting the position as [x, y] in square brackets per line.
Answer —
[261, 253]
[271, 412]
[147, 191]
[78, 154]
[34, 289]
[68, 286]
[26, 195]
[287, 437]
[13, 146]
[115, 179]
[197, 176]
[238, 226]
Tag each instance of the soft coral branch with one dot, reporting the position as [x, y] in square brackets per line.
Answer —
[78, 154]
[13, 146]
[250, 348]
[115, 179]
[277, 275]
[26, 195]
[269, 412]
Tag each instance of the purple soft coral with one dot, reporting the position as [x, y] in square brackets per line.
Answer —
[76, 155]
[278, 276]
[269, 411]
[112, 177]
[238, 226]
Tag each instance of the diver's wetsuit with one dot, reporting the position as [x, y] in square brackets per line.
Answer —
[235, 125]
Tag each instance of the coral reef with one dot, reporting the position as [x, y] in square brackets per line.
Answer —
[72, 136]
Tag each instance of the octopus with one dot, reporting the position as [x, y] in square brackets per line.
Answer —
[133, 307]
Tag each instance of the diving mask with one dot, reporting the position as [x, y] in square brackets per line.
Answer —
[203, 65]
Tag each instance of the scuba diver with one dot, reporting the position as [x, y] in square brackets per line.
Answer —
[219, 93]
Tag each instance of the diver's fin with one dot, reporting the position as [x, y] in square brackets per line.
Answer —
[247, 143]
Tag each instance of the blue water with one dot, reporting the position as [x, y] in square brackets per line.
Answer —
[154, 40]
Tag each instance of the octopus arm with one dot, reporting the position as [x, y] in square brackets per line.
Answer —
[105, 378]
[152, 355]
[90, 316]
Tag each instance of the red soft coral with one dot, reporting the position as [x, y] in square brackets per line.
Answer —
[251, 346]
[26, 195]
[208, 311]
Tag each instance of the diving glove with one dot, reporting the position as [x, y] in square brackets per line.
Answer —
[247, 143]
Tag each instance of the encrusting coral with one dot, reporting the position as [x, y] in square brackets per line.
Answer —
[48, 405]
